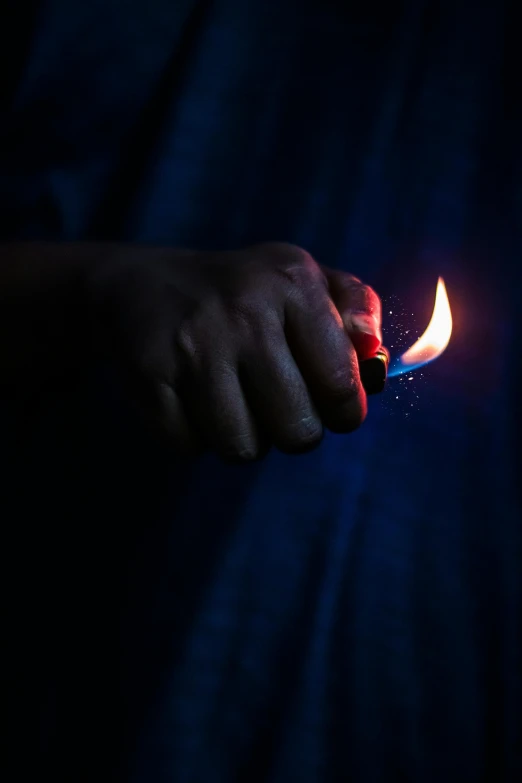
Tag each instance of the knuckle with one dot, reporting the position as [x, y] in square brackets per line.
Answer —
[185, 342]
[347, 418]
[304, 435]
[365, 299]
[282, 250]
[342, 388]
[349, 423]
[248, 454]
[243, 311]
[348, 282]
[240, 448]
[297, 267]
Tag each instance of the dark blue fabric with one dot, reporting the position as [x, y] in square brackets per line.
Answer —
[351, 615]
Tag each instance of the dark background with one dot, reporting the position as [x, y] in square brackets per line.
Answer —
[353, 614]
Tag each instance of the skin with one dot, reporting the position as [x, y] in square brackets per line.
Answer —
[241, 351]
[234, 352]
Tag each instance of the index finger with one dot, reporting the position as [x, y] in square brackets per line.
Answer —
[326, 357]
[360, 309]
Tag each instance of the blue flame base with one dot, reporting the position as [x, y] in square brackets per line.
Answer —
[398, 368]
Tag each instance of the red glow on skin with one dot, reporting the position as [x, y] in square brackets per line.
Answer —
[365, 333]
[366, 345]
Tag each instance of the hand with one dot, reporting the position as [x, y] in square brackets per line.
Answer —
[238, 351]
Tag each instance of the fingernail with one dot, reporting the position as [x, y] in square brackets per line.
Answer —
[365, 332]
[365, 322]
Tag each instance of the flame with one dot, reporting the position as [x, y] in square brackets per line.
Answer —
[434, 340]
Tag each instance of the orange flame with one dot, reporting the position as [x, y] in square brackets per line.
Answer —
[434, 340]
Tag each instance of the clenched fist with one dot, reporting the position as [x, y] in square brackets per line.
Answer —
[236, 351]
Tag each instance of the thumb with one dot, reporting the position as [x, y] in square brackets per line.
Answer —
[360, 309]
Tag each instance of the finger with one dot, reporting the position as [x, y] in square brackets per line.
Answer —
[163, 411]
[219, 407]
[360, 310]
[278, 395]
[326, 358]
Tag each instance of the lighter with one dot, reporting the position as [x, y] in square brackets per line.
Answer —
[374, 371]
